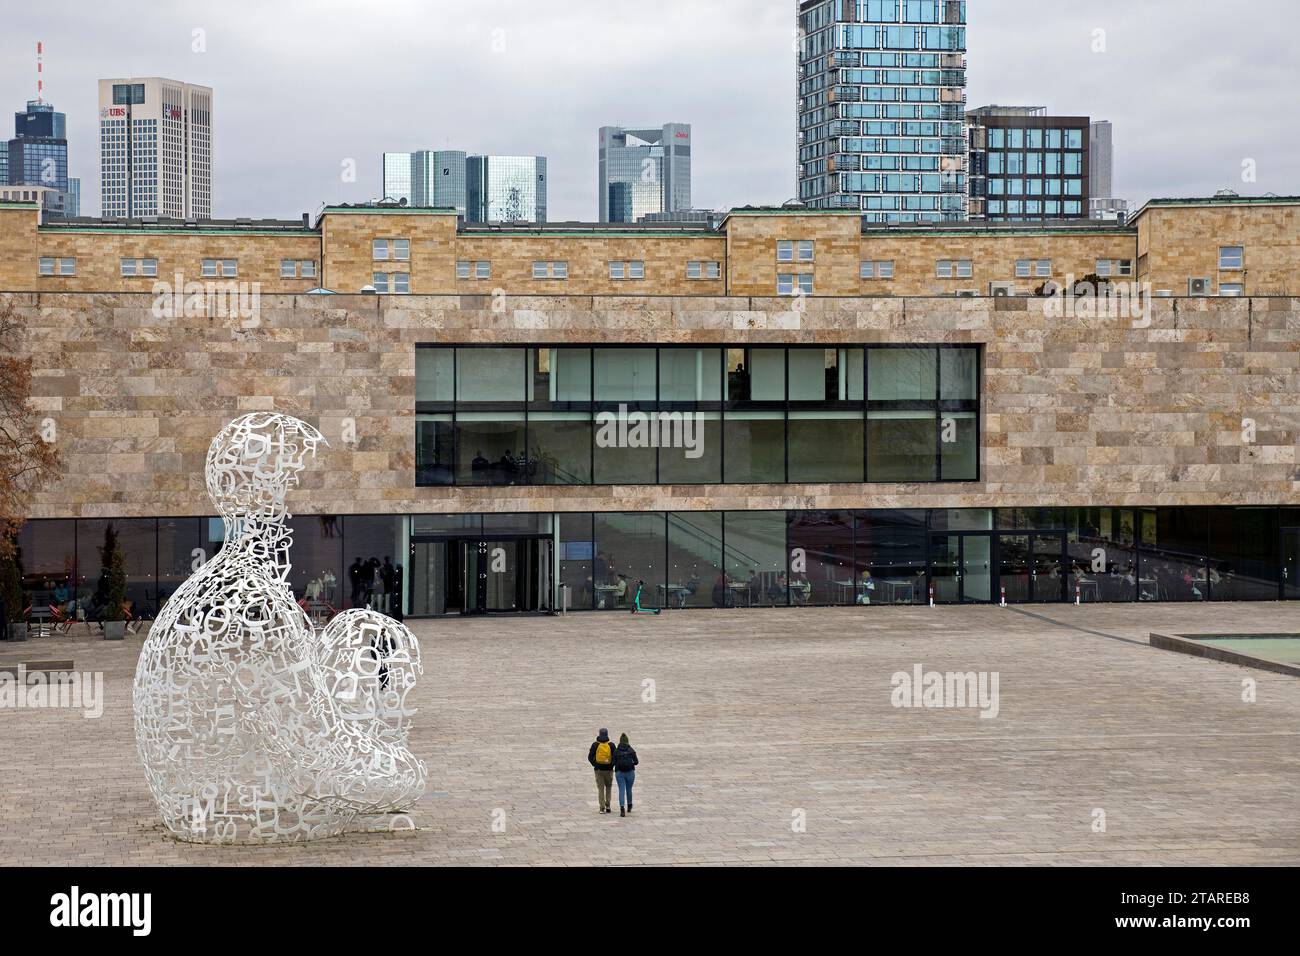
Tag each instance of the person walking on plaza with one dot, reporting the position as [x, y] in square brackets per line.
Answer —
[625, 771]
[601, 758]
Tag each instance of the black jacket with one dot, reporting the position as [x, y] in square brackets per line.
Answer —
[591, 754]
[624, 758]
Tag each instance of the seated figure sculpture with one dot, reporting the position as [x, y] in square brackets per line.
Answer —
[252, 727]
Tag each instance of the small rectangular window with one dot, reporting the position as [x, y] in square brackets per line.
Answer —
[541, 270]
[965, 269]
[402, 282]
[805, 250]
[401, 249]
[45, 267]
[636, 269]
[1023, 267]
[229, 268]
[209, 267]
[380, 249]
[128, 267]
[1125, 267]
[885, 269]
[483, 269]
[288, 269]
[1230, 257]
[462, 270]
[1043, 268]
[713, 270]
[867, 270]
[784, 250]
[560, 270]
[67, 267]
[1103, 268]
[616, 270]
[308, 270]
[693, 270]
[943, 269]
[806, 283]
[785, 284]
[380, 281]
[1231, 288]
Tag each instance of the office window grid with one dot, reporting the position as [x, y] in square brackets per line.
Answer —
[769, 414]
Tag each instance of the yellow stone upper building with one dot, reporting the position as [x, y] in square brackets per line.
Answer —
[1219, 246]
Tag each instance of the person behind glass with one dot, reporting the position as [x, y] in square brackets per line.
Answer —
[625, 762]
[601, 758]
[721, 590]
[386, 575]
[355, 572]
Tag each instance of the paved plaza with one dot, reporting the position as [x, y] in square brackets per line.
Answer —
[765, 736]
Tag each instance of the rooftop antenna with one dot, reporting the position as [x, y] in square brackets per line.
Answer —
[40, 82]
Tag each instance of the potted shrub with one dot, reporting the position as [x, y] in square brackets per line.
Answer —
[12, 625]
[113, 581]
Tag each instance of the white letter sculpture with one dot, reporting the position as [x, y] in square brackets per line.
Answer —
[251, 727]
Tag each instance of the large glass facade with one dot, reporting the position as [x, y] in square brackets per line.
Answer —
[696, 415]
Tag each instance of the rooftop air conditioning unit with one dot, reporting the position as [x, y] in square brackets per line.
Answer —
[1002, 289]
[1198, 286]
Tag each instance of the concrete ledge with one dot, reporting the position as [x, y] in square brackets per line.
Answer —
[1170, 642]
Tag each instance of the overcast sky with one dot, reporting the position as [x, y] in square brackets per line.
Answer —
[301, 87]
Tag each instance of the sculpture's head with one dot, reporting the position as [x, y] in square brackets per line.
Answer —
[255, 460]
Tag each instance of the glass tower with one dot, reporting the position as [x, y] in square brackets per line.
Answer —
[426, 177]
[506, 188]
[38, 156]
[881, 103]
[643, 171]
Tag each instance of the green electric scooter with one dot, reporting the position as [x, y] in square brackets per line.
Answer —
[636, 602]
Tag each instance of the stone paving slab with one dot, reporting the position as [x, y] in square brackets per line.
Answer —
[757, 715]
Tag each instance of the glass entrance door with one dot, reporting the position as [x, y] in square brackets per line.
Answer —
[961, 568]
[477, 576]
[945, 568]
[1290, 563]
[1031, 567]
[977, 568]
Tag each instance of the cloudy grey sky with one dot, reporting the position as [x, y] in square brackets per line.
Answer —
[300, 87]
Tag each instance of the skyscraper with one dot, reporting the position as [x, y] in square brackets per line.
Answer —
[1101, 170]
[643, 171]
[506, 188]
[155, 143]
[38, 156]
[880, 107]
[480, 188]
[426, 177]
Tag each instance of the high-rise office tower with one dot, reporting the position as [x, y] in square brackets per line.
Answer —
[506, 188]
[1026, 165]
[38, 156]
[643, 171]
[1101, 170]
[155, 143]
[880, 105]
[426, 177]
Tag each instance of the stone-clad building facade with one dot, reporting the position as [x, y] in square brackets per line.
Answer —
[879, 439]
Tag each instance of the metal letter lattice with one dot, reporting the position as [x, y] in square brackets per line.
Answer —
[252, 727]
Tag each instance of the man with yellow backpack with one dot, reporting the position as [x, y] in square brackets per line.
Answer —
[601, 758]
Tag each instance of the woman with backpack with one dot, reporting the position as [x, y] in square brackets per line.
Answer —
[625, 773]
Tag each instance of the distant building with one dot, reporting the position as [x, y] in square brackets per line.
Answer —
[1101, 168]
[155, 144]
[38, 156]
[480, 188]
[881, 98]
[643, 171]
[1026, 165]
[506, 188]
[427, 177]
